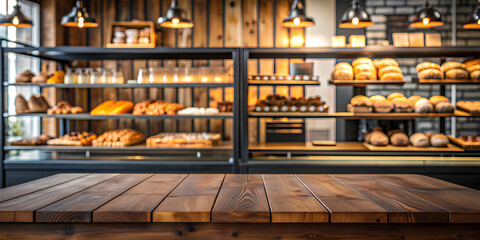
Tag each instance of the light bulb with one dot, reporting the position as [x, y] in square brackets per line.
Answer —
[478, 22]
[426, 21]
[15, 21]
[175, 21]
[80, 22]
[296, 21]
[355, 21]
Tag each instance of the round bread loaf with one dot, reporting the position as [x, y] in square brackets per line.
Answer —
[343, 65]
[444, 107]
[436, 99]
[472, 62]
[377, 98]
[362, 60]
[378, 138]
[423, 106]
[342, 74]
[402, 105]
[366, 76]
[399, 139]
[475, 74]
[414, 99]
[391, 132]
[40, 78]
[439, 140]
[394, 95]
[430, 74]
[427, 65]
[387, 62]
[389, 69]
[456, 74]
[391, 76]
[38, 104]
[24, 77]
[382, 106]
[364, 68]
[361, 101]
[21, 105]
[452, 65]
[473, 68]
[419, 140]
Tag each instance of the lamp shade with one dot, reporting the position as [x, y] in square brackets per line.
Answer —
[297, 18]
[427, 17]
[16, 19]
[78, 17]
[473, 20]
[355, 17]
[175, 17]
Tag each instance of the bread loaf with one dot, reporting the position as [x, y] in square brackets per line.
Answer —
[414, 99]
[419, 140]
[21, 105]
[377, 98]
[473, 68]
[343, 65]
[24, 77]
[439, 140]
[113, 108]
[40, 78]
[342, 74]
[456, 74]
[387, 62]
[427, 65]
[362, 60]
[391, 132]
[364, 68]
[444, 107]
[139, 108]
[366, 76]
[389, 69]
[452, 65]
[402, 105]
[382, 106]
[472, 62]
[399, 139]
[391, 76]
[430, 74]
[57, 77]
[394, 95]
[38, 104]
[361, 101]
[436, 99]
[475, 74]
[423, 106]
[378, 138]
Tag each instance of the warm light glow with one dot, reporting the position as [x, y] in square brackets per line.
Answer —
[217, 79]
[355, 21]
[15, 21]
[81, 23]
[204, 79]
[296, 21]
[478, 22]
[426, 21]
[175, 21]
[297, 41]
[188, 79]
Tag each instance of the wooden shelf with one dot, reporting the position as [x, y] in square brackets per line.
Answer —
[126, 85]
[347, 115]
[283, 82]
[410, 148]
[298, 114]
[447, 81]
[362, 83]
[87, 116]
[305, 147]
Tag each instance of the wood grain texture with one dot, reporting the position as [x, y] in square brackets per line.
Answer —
[79, 207]
[344, 204]
[137, 204]
[37, 185]
[291, 202]
[242, 198]
[402, 207]
[462, 203]
[22, 209]
[191, 201]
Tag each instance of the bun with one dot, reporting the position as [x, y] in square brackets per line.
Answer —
[444, 107]
[436, 99]
[402, 105]
[364, 68]
[414, 99]
[57, 77]
[366, 76]
[456, 74]
[452, 65]
[427, 65]
[382, 106]
[473, 68]
[113, 108]
[389, 69]
[439, 140]
[391, 132]
[38, 104]
[343, 65]
[24, 77]
[475, 74]
[361, 101]
[387, 62]
[391, 76]
[472, 62]
[423, 106]
[377, 138]
[399, 139]
[21, 105]
[391, 96]
[419, 140]
[40, 78]
[342, 74]
[362, 60]
[377, 98]
[430, 74]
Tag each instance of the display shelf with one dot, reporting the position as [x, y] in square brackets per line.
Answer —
[126, 85]
[347, 115]
[410, 148]
[362, 83]
[283, 83]
[446, 81]
[304, 147]
[87, 116]
[298, 114]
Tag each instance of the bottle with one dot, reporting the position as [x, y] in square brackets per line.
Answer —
[70, 77]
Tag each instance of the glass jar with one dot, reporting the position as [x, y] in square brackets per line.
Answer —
[143, 76]
[117, 77]
[107, 76]
[154, 75]
[221, 75]
[190, 75]
[205, 74]
[95, 75]
[70, 77]
[82, 76]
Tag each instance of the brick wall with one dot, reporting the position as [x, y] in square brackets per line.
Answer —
[381, 9]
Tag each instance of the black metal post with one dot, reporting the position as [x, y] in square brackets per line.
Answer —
[237, 111]
[244, 110]
[2, 110]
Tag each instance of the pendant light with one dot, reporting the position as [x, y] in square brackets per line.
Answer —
[175, 17]
[78, 17]
[428, 17]
[355, 17]
[473, 20]
[16, 19]
[297, 18]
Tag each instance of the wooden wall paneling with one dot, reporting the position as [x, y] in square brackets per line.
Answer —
[282, 9]
[297, 40]
[109, 16]
[184, 40]
[169, 94]
[216, 39]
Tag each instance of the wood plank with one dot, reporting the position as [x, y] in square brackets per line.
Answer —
[233, 23]
[344, 204]
[462, 203]
[37, 185]
[402, 207]
[79, 207]
[242, 198]
[136, 204]
[191, 201]
[291, 202]
[22, 209]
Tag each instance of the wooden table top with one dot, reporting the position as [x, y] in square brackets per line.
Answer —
[283, 198]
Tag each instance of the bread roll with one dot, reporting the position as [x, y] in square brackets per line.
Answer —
[430, 74]
[364, 68]
[376, 62]
[40, 78]
[419, 140]
[377, 98]
[444, 107]
[382, 106]
[102, 108]
[38, 104]
[366, 76]
[24, 77]
[423, 106]
[472, 62]
[387, 62]
[402, 105]
[378, 138]
[414, 99]
[452, 65]
[473, 68]
[427, 65]
[391, 76]
[439, 140]
[389, 69]
[456, 74]
[394, 95]
[361, 101]
[21, 105]
[342, 74]
[399, 139]
[343, 65]
[436, 99]
[391, 132]
[475, 74]
[362, 60]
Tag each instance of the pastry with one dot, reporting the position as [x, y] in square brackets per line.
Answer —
[475, 74]
[184, 140]
[394, 95]
[364, 68]
[389, 69]
[430, 74]
[387, 62]
[24, 77]
[427, 65]
[113, 108]
[473, 68]
[399, 139]
[436, 99]
[141, 107]
[439, 140]
[391, 132]
[361, 101]
[444, 107]
[452, 65]
[402, 105]
[41, 78]
[64, 107]
[362, 60]
[378, 138]
[382, 106]
[57, 77]
[414, 99]
[119, 138]
[37, 104]
[74, 139]
[377, 98]
[342, 74]
[38, 141]
[423, 106]
[472, 62]
[391, 76]
[471, 107]
[456, 74]
[366, 76]
[21, 105]
[343, 65]
[419, 140]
